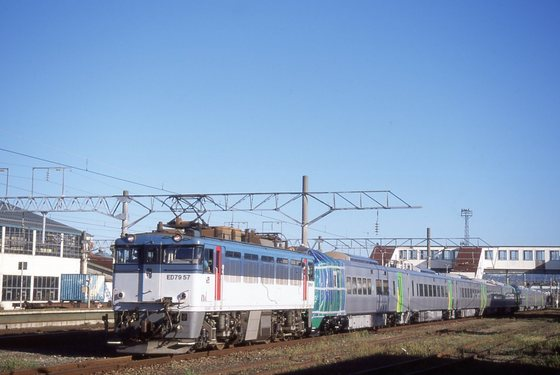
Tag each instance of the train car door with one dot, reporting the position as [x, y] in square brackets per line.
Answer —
[382, 291]
[150, 273]
[213, 270]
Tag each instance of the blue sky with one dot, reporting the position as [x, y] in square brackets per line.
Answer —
[449, 105]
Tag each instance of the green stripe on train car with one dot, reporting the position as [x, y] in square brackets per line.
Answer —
[400, 293]
[483, 297]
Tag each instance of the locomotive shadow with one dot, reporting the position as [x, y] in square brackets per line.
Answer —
[68, 343]
[550, 314]
[387, 364]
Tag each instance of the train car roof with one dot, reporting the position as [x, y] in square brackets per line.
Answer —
[323, 258]
[336, 257]
[157, 238]
[351, 258]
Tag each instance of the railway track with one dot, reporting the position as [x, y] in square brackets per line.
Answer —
[121, 362]
[400, 335]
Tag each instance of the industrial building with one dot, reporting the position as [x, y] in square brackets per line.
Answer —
[34, 252]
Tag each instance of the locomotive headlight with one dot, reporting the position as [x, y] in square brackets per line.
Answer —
[182, 297]
[130, 237]
[119, 295]
[177, 237]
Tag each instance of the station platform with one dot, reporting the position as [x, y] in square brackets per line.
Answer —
[41, 319]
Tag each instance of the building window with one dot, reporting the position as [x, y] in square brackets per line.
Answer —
[539, 255]
[413, 254]
[51, 246]
[71, 246]
[12, 288]
[489, 254]
[502, 255]
[554, 254]
[423, 254]
[18, 241]
[45, 288]
[527, 254]
[514, 255]
[402, 254]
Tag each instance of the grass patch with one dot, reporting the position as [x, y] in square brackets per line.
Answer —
[12, 364]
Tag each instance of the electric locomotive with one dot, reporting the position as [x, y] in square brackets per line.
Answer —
[176, 290]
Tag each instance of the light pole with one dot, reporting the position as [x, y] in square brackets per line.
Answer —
[7, 170]
[21, 266]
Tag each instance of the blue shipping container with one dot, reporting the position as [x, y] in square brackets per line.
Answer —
[74, 287]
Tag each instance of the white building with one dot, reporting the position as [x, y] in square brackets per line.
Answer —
[31, 261]
[509, 264]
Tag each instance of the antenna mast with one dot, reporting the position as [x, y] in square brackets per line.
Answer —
[466, 213]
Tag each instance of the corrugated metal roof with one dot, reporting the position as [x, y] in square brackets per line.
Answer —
[20, 218]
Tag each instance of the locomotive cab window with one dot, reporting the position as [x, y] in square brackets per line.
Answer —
[126, 255]
[150, 255]
[183, 254]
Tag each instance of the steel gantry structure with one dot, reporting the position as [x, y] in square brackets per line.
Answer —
[117, 206]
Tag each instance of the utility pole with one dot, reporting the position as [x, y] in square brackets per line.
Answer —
[124, 214]
[304, 219]
[429, 251]
[22, 266]
[84, 252]
[7, 170]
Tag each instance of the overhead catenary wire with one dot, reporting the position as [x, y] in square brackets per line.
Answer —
[87, 170]
[108, 176]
